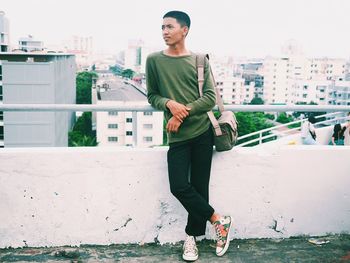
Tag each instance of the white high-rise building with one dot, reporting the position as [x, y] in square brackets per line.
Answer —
[34, 78]
[277, 80]
[322, 92]
[28, 44]
[234, 91]
[82, 48]
[136, 55]
[326, 69]
[141, 129]
[282, 76]
[4, 33]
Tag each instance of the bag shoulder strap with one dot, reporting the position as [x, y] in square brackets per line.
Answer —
[200, 63]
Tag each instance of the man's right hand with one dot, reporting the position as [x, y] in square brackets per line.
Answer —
[178, 110]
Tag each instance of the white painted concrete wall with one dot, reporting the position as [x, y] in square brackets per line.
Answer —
[73, 196]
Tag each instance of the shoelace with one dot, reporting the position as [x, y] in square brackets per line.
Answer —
[218, 231]
[190, 245]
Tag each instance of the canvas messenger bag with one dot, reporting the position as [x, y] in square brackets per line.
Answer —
[225, 126]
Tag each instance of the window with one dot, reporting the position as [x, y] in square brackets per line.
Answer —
[1, 115]
[0, 93]
[113, 139]
[148, 113]
[147, 139]
[113, 113]
[113, 126]
[1, 132]
[233, 90]
[304, 96]
[233, 96]
[148, 126]
[128, 133]
[129, 120]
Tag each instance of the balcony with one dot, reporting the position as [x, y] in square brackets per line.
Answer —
[96, 195]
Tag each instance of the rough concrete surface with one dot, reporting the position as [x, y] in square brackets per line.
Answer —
[335, 248]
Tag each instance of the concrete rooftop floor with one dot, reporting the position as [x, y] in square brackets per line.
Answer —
[336, 248]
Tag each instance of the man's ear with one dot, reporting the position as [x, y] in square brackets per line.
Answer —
[186, 29]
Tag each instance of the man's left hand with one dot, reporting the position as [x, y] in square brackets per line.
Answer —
[173, 125]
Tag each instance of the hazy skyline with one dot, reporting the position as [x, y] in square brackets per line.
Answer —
[251, 28]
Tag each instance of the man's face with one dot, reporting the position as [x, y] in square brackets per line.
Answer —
[172, 31]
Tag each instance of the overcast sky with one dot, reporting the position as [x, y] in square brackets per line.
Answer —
[252, 28]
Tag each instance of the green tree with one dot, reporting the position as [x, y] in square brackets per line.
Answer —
[128, 73]
[84, 86]
[85, 141]
[249, 122]
[283, 118]
[84, 124]
[117, 70]
[257, 101]
[82, 133]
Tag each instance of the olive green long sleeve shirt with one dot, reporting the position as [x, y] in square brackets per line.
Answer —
[175, 78]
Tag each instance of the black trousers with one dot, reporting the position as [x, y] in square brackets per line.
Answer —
[189, 164]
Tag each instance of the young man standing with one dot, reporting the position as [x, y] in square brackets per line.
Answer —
[173, 87]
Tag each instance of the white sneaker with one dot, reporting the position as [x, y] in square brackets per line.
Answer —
[190, 250]
[222, 229]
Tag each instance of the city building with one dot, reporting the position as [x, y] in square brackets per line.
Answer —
[234, 91]
[282, 76]
[82, 48]
[34, 78]
[142, 129]
[251, 71]
[135, 56]
[4, 33]
[28, 44]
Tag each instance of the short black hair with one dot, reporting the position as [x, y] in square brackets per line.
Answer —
[182, 18]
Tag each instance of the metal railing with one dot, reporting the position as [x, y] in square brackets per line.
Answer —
[273, 131]
[145, 107]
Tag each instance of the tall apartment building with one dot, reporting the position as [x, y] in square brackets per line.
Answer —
[323, 92]
[142, 129]
[136, 55]
[34, 78]
[282, 76]
[251, 71]
[4, 33]
[29, 44]
[234, 91]
[82, 48]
